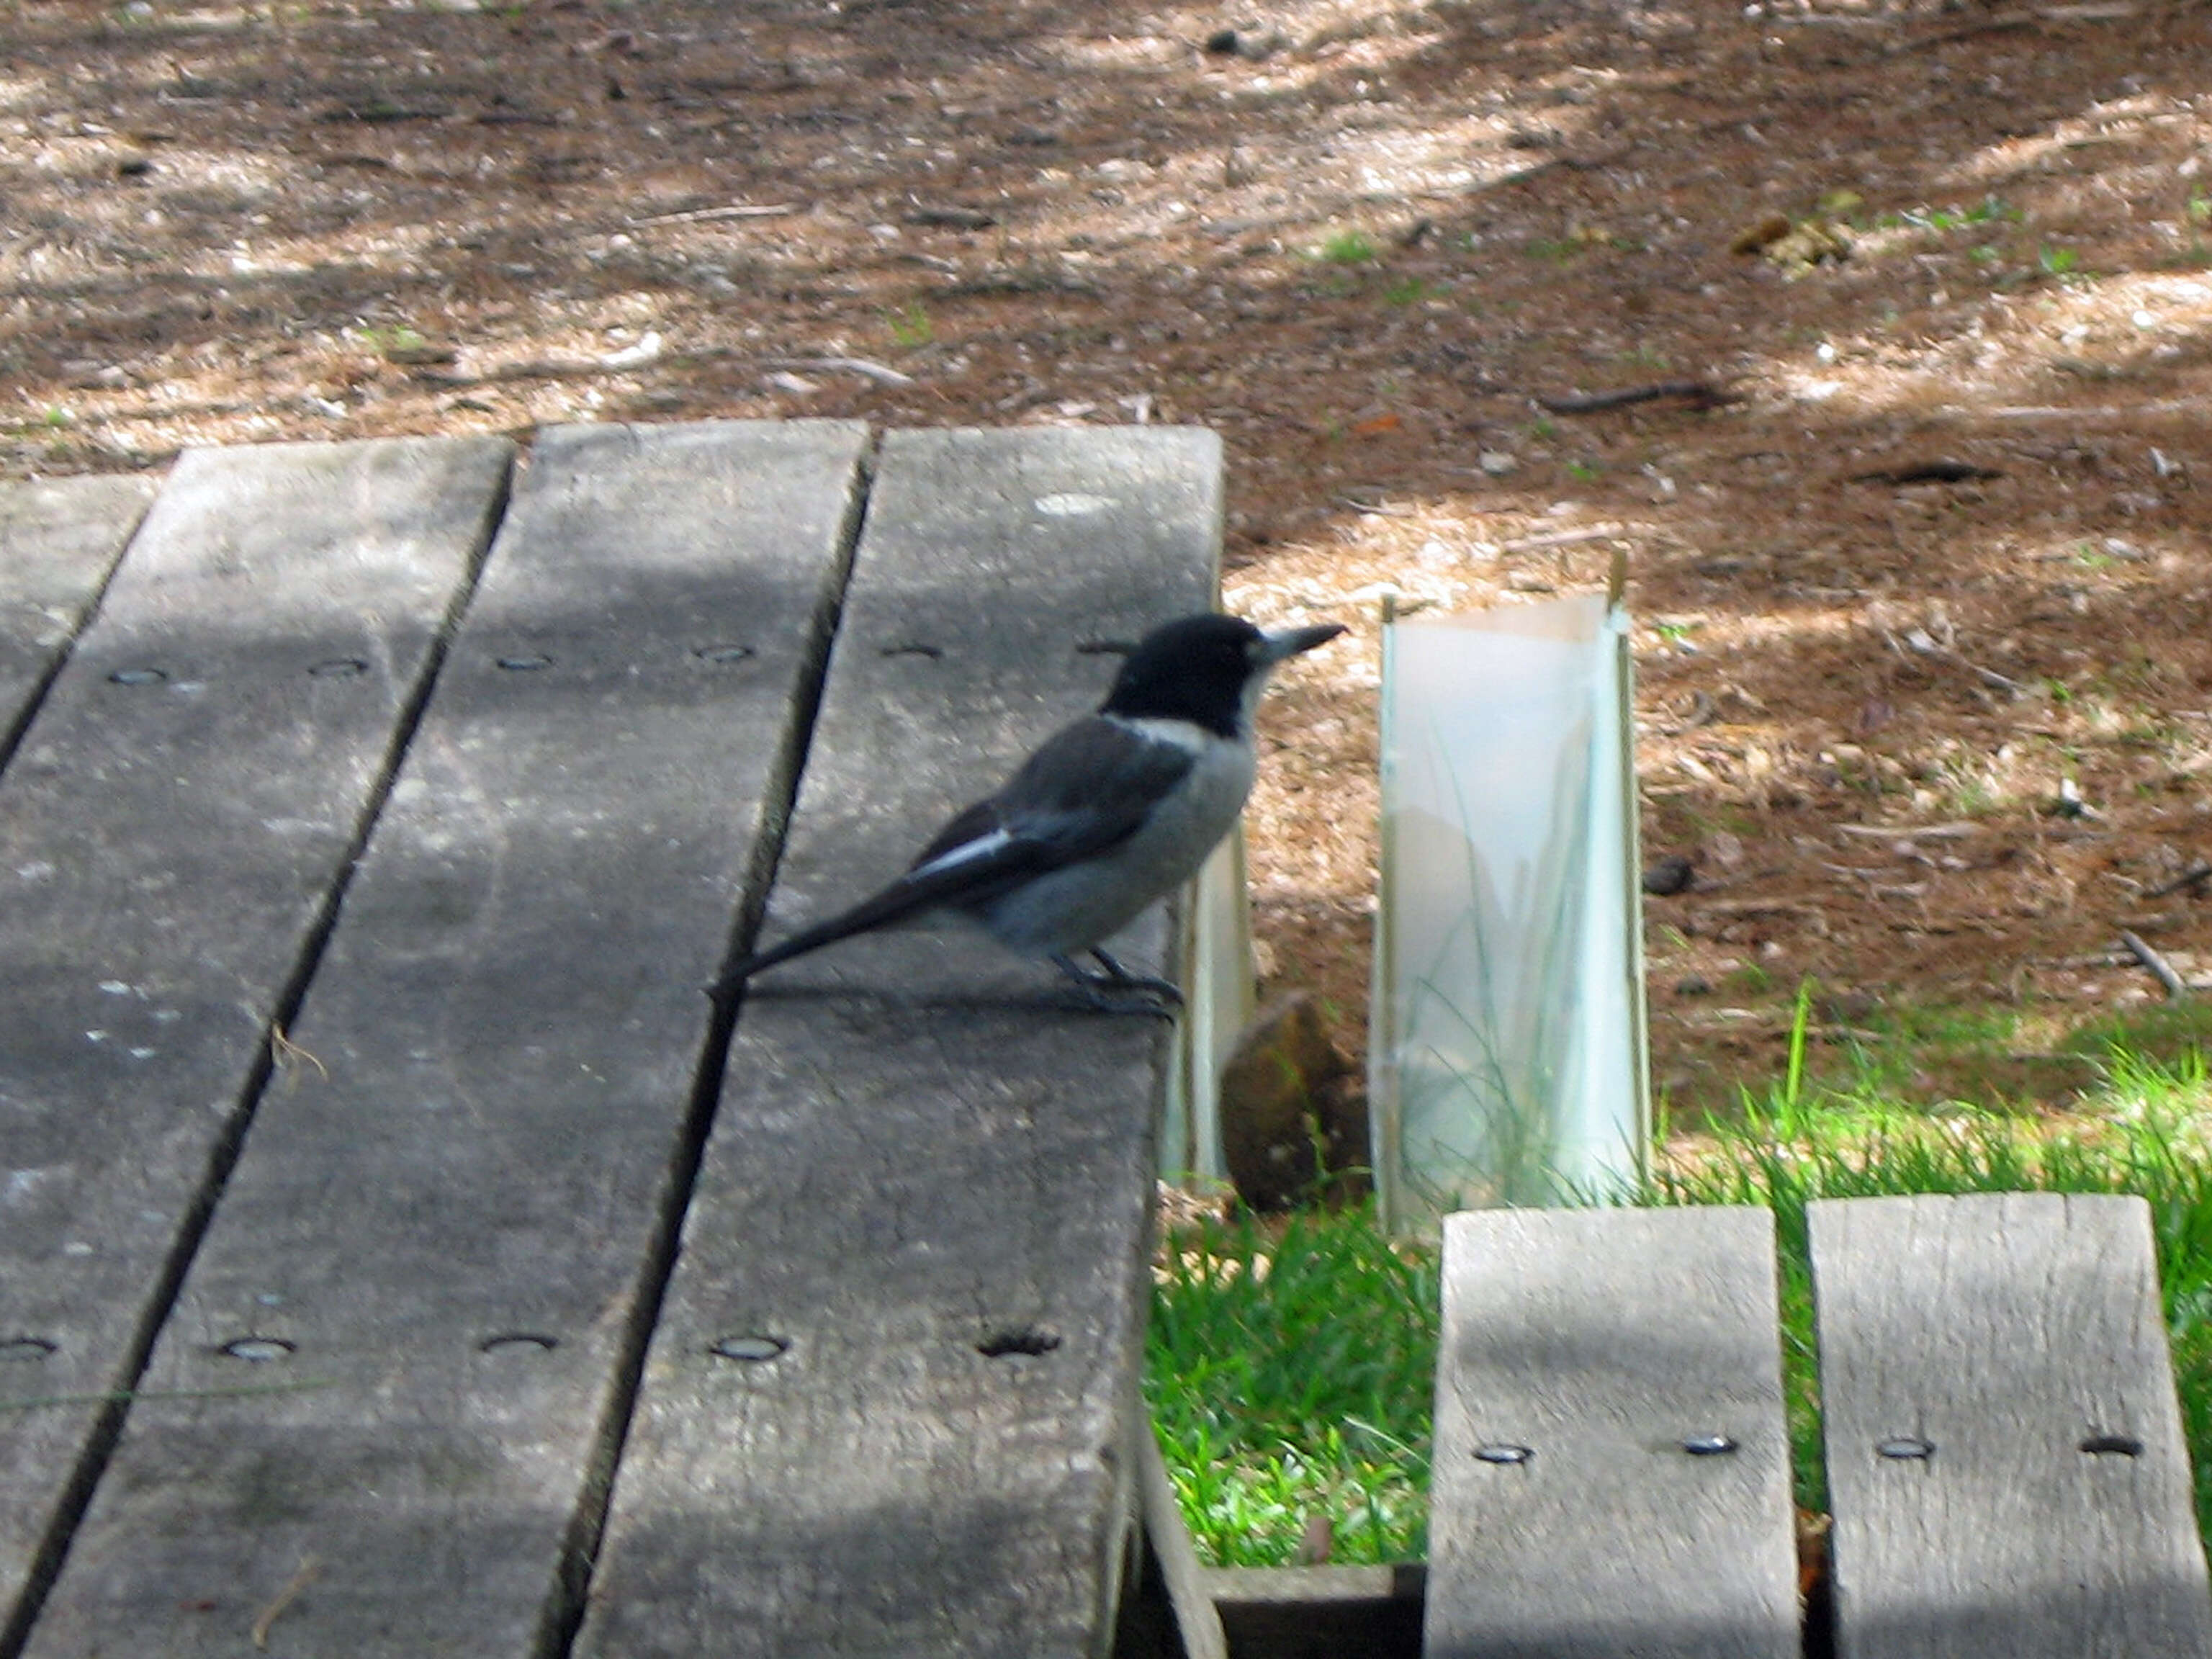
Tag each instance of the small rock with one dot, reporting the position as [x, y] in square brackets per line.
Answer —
[1496, 462]
[1814, 242]
[82, 375]
[1291, 1115]
[1675, 873]
[1759, 234]
[1848, 1007]
[1693, 985]
[946, 217]
[646, 350]
[1251, 43]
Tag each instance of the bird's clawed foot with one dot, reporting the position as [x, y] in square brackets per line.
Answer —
[1115, 990]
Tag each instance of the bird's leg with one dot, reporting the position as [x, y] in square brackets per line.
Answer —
[1167, 990]
[1111, 990]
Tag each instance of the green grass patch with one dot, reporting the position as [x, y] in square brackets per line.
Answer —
[1289, 1370]
[1348, 247]
[2032, 1057]
[1291, 1365]
[909, 326]
[2060, 262]
[2175, 1036]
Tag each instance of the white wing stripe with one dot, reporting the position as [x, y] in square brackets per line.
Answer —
[966, 853]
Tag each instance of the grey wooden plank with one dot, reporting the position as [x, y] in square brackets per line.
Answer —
[2005, 1333]
[494, 1127]
[925, 1203]
[1192, 1625]
[1594, 1366]
[58, 540]
[170, 831]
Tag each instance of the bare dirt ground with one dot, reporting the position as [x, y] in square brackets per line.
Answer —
[1920, 560]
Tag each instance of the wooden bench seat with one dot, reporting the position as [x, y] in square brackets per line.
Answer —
[2005, 1458]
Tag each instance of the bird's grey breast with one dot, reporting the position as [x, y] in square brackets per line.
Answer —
[1184, 828]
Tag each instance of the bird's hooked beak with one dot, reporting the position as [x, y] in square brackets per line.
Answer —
[1283, 643]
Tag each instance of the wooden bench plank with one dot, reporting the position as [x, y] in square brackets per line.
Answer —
[2017, 1338]
[1594, 1366]
[170, 830]
[58, 540]
[1166, 1610]
[890, 1403]
[456, 1213]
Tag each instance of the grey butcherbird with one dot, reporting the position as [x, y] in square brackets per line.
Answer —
[1115, 810]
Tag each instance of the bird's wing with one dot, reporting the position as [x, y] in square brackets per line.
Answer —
[1087, 788]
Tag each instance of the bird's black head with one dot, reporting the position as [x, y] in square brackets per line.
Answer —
[1206, 668]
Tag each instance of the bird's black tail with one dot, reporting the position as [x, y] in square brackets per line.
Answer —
[906, 897]
[893, 904]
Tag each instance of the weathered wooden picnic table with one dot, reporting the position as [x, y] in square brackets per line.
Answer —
[398, 1255]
